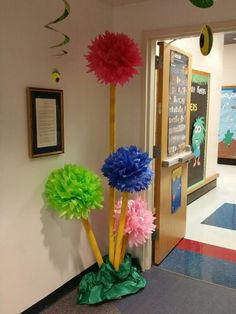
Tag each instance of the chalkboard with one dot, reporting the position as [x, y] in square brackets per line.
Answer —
[178, 96]
[198, 126]
[227, 133]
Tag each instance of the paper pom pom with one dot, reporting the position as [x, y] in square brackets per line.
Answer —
[128, 169]
[73, 190]
[113, 58]
[139, 221]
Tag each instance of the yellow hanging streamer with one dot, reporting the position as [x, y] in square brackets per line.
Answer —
[112, 190]
[93, 242]
[121, 228]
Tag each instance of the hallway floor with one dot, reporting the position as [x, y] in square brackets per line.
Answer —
[198, 211]
[208, 251]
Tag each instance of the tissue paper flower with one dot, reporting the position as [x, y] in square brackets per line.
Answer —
[73, 190]
[139, 221]
[113, 58]
[128, 169]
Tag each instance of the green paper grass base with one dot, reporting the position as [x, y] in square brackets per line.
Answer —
[108, 284]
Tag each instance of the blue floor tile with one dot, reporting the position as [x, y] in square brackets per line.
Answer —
[223, 217]
[201, 267]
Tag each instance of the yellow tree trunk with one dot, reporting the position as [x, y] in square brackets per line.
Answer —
[121, 228]
[112, 190]
[92, 241]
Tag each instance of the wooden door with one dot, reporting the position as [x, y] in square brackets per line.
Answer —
[171, 147]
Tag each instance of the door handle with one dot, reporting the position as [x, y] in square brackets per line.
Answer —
[186, 158]
[169, 162]
[180, 158]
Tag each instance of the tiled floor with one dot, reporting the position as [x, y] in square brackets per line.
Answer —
[198, 211]
[203, 261]
[208, 251]
[223, 217]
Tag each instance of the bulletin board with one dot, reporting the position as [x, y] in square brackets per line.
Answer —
[198, 126]
[227, 129]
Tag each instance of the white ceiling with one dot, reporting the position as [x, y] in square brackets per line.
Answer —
[121, 2]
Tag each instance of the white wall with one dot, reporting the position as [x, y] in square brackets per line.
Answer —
[38, 251]
[213, 63]
[229, 65]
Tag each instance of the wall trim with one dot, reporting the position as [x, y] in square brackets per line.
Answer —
[207, 187]
[227, 161]
[205, 182]
[187, 30]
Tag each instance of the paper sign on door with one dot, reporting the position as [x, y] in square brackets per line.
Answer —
[176, 182]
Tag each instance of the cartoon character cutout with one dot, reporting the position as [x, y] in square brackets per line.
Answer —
[198, 137]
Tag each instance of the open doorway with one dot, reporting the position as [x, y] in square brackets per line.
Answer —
[212, 218]
[213, 64]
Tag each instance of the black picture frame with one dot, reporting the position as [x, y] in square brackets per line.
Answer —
[45, 113]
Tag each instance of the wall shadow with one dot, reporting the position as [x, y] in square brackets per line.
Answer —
[62, 237]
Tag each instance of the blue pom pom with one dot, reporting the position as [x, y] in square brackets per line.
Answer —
[128, 169]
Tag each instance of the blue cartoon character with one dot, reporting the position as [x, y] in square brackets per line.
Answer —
[198, 137]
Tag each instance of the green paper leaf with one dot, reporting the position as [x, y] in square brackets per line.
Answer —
[202, 3]
[109, 284]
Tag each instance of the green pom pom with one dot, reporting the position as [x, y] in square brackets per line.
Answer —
[73, 190]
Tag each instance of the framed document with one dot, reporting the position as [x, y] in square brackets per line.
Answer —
[45, 121]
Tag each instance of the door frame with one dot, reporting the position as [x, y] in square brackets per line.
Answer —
[148, 45]
[171, 225]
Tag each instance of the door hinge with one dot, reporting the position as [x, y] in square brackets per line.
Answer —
[158, 62]
[156, 151]
[155, 235]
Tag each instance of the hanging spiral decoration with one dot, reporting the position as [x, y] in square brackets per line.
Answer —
[66, 38]
[202, 3]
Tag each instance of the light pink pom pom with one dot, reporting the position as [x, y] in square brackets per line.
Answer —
[139, 221]
[113, 58]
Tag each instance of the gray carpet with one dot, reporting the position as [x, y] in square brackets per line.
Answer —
[67, 305]
[165, 293]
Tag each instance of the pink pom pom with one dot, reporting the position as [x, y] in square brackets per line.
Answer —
[113, 58]
[139, 221]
